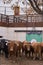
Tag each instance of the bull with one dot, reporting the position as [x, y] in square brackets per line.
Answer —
[26, 48]
[37, 49]
[15, 48]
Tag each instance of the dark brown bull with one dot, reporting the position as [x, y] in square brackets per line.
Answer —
[18, 48]
[26, 48]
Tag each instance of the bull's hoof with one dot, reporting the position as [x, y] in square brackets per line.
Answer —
[36, 58]
[20, 56]
[40, 59]
[33, 58]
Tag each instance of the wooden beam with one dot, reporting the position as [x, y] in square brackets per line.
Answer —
[22, 24]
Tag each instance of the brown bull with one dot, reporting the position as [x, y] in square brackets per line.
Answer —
[11, 47]
[15, 47]
[41, 45]
[18, 48]
[26, 48]
[37, 49]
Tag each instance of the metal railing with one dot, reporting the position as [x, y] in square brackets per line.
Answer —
[21, 18]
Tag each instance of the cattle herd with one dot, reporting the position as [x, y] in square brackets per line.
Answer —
[17, 48]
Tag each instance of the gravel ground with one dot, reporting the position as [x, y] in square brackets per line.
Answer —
[19, 61]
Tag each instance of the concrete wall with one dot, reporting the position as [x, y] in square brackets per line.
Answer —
[9, 33]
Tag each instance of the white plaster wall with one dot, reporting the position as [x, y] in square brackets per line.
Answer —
[20, 36]
[3, 32]
[9, 33]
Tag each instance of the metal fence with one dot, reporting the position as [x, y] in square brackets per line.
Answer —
[21, 18]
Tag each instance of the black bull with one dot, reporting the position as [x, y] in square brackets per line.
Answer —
[2, 46]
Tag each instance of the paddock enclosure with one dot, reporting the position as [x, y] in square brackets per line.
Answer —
[21, 32]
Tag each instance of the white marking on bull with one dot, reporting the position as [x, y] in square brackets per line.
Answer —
[11, 49]
[21, 50]
[28, 49]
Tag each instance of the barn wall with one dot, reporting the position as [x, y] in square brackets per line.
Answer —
[9, 33]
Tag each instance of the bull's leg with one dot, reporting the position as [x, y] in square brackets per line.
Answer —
[0, 50]
[17, 53]
[26, 53]
[41, 52]
[35, 55]
[20, 52]
[40, 55]
[10, 53]
[32, 54]
[23, 51]
[29, 54]
[31, 51]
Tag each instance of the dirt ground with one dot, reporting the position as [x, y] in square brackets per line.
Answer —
[19, 61]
